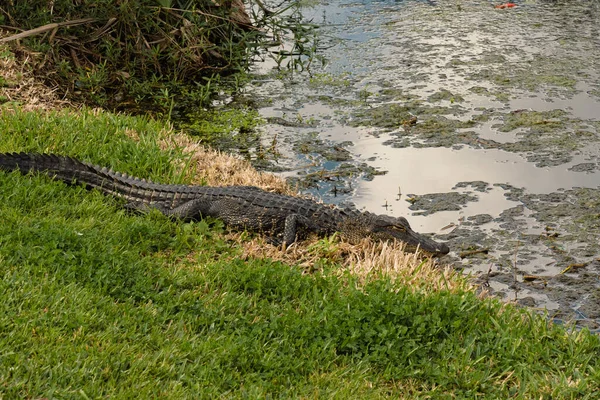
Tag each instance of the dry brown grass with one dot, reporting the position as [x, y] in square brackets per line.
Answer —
[22, 86]
[216, 168]
[367, 260]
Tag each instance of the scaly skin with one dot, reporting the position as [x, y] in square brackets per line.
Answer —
[284, 219]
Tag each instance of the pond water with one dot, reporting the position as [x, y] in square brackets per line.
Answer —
[480, 125]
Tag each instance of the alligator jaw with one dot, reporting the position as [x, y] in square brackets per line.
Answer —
[416, 241]
[386, 227]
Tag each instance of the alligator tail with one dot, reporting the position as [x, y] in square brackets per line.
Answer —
[71, 171]
[59, 167]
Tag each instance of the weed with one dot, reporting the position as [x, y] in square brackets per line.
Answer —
[225, 129]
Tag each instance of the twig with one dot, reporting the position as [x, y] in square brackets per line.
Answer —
[46, 28]
[264, 8]
[471, 252]
[101, 31]
[573, 266]
[515, 270]
[244, 24]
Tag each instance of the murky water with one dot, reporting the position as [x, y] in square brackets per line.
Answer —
[486, 122]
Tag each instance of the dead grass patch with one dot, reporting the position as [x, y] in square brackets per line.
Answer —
[367, 260]
[19, 84]
[216, 168]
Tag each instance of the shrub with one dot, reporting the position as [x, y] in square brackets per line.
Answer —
[123, 52]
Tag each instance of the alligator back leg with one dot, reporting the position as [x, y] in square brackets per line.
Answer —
[280, 228]
[191, 210]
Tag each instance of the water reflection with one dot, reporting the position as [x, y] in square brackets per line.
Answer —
[438, 170]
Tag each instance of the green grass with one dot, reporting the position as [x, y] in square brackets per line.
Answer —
[97, 302]
[96, 136]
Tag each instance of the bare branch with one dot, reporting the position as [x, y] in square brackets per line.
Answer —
[46, 28]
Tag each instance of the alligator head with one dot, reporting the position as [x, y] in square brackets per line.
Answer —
[385, 227]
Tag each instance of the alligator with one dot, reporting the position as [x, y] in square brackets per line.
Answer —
[282, 218]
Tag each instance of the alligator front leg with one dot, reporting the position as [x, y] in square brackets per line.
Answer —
[290, 229]
[298, 226]
[279, 237]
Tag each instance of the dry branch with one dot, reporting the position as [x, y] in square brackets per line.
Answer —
[46, 28]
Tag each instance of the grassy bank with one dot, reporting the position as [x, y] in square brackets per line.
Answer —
[101, 303]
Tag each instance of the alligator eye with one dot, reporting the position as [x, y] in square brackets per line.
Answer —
[398, 228]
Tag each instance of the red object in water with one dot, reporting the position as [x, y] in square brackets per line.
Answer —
[506, 5]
